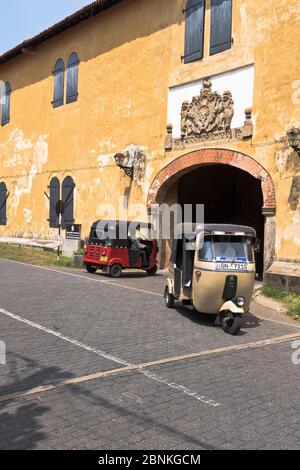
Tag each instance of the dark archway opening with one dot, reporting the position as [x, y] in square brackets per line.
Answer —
[230, 195]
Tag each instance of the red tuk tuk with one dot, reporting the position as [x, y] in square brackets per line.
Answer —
[117, 245]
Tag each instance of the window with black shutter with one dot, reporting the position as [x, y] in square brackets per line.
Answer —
[221, 26]
[54, 198]
[5, 104]
[194, 30]
[59, 82]
[68, 200]
[72, 78]
[3, 199]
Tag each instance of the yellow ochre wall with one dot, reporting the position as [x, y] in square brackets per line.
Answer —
[129, 56]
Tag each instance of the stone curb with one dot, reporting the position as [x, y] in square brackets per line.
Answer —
[270, 303]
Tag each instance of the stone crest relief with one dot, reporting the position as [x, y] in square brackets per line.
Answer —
[208, 117]
[208, 113]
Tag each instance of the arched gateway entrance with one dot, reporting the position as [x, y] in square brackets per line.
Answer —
[234, 188]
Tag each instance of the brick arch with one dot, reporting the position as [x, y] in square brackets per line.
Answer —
[186, 163]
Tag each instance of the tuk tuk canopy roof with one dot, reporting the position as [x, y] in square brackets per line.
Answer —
[114, 223]
[217, 229]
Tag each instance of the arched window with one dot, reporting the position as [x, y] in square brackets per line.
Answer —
[54, 198]
[59, 82]
[5, 106]
[72, 78]
[194, 30]
[68, 200]
[3, 198]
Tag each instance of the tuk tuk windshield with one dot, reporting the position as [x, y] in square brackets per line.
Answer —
[227, 248]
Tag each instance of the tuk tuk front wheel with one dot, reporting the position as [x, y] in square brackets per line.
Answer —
[90, 269]
[169, 298]
[232, 324]
[115, 270]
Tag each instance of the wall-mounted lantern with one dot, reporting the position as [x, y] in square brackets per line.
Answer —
[131, 161]
[293, 135]
[126, 163]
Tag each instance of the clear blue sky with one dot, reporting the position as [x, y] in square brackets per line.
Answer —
[22, 19]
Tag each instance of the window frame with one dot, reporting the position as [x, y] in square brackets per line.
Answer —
[59, 81]
[5, 104]
[65, 196]
[53, 217]
[3, 203]
[72, 71]
[225, 46]
[189, 57]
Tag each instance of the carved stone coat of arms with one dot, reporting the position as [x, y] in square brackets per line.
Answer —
[208, 113]
[208, 117]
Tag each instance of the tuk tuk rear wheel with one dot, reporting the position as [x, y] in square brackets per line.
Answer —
[232, 325]
[169, 298]
[115, 270]
[152, 271]
[90, 269]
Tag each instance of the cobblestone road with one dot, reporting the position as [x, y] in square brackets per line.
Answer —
[97, 334]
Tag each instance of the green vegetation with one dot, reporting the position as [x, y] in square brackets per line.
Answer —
[273, 292]
[34, 256]
[292, 301]
[80, 252]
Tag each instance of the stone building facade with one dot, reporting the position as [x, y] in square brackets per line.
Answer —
[202, 98]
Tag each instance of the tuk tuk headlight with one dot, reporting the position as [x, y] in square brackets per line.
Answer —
[240, 301]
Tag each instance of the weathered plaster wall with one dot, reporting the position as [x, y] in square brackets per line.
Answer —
[123, 87]
[127, 64]
[277, 99]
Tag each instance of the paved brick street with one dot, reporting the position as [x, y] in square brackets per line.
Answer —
[229, 392]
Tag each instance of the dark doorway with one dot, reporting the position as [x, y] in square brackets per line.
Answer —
[229, 194]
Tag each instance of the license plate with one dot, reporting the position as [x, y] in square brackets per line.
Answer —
[104, 259]
[232, 266]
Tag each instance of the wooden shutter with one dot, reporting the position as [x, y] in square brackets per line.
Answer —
[59, 83]
[5, 116]
[194, 30]
[221, 26]
[68, 200]
[54, 198]
[72, 78]
[3, 197]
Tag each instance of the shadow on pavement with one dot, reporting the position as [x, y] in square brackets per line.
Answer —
[142, 418]
[251, 321]
[32, 374]
[20, 427]
[208, 320]
[19, 423]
